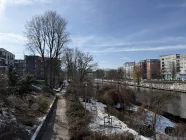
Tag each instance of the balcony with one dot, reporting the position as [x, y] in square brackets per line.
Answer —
[3, 56]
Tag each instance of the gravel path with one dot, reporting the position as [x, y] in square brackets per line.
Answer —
[57, 127]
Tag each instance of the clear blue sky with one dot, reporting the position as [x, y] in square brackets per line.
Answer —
[114, 31]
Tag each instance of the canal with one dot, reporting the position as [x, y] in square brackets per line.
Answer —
[175, 106]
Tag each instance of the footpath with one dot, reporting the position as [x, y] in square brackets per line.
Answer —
[57, 127]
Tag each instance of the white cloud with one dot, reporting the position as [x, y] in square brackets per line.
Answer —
[136, 49]
[5, 3]
[93, 42]
[11, 37]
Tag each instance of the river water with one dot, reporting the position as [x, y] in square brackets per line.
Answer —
[175, 106]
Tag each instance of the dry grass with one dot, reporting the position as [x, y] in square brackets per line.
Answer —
[78, 121]
[110, 95]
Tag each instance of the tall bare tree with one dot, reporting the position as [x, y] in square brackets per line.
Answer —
[137, 74]
[120, 75]
[78, 64]
[173, 70]
[47, 35]
[84, 64]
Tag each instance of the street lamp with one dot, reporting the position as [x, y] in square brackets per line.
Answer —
[85, 98]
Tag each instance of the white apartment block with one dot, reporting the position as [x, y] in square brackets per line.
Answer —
[174, 64]
[129, 68]
[6, 58]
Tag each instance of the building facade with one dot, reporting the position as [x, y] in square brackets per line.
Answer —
[170, 66]
[143, 68]
[6, 57]
[129, 69]
[20, 67]
[34, 66]
[153, 69]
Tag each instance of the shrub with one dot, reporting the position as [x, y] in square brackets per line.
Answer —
[43, 103]
[99, 136]
[3, 82]
[24, 85]
[77, 120]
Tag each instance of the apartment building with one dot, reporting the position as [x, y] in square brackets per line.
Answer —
[6, 57]
[34, 66]
[170, 66]
[153, 68]
[143, 68]
[20, 66]
[129, 68]
[182, 69]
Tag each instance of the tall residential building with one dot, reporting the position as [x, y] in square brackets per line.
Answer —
[181, 67]
[20, 67]
[172, 65]
[153, 68]
[6, 57]
[143, 68]
[129, 68]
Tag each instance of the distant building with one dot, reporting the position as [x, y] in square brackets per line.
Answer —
[143, 68]
[6, 57]
[173, 66]
[181, 67]
[20, 67]
[34, 66]
[153, 68]
[129, 68]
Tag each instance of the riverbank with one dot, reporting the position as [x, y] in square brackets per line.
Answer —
[175, 87]
[160, 85]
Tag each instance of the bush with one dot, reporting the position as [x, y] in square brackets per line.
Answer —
[110, 95]
[99, 136]
[24, 85]
[3, 82]
[77, 120]
[43, 103]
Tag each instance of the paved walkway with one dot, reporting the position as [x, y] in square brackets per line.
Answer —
[57, 127]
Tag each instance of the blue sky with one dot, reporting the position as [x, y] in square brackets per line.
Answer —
[114, 31]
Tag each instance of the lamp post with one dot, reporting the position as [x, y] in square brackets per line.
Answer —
[85, 96]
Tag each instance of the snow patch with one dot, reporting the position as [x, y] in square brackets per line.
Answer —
[97, 124]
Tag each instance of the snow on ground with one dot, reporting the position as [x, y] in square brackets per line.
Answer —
[118, 126]
[162, 122]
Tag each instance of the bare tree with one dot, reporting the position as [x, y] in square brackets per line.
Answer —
[173, 70]
[100, 74]
[156, 103]
[137, 74]
[120, 75]
[112, 74]
[78, 64]
[84, 64]
[47, 35]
